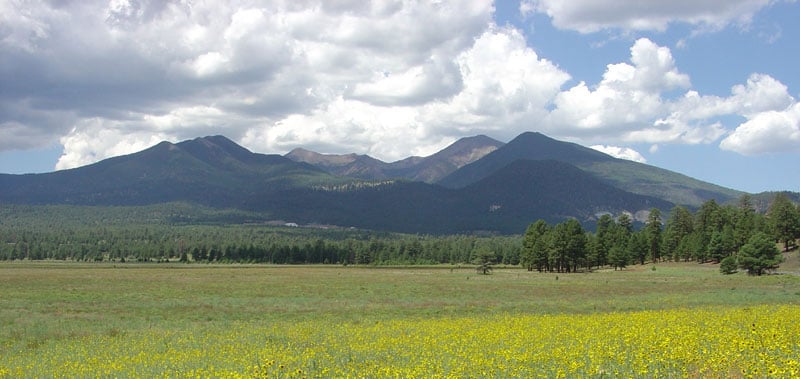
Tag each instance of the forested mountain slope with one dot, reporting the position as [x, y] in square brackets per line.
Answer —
[626, 175]
[497, 189]
[211, 170]
[504, 202]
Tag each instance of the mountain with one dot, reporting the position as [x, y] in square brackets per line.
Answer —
[462, 152]
[488, 187]
[212, 171]
[505, 202]
[557, 190]
[351, 165]
[425, 169]
[626, 175]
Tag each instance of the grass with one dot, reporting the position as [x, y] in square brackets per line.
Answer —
[42, 301]
[169, 320]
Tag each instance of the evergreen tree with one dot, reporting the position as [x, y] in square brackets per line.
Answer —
[569, 245]
[784, 220]
[653, 234]
[593, 251]
[619, 251]
[604, 240]
[618, 256]
[543, 252]
[759, 254]
[694, 247]
[484, 258]
[624, 221]
[530, 252]
[638, 247]
[708, 220]
[745, 221]
[679, 226]
[728, 265]
[721, 244]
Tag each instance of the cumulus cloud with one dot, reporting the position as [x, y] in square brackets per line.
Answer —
[176, 70]
[627, 99]
[418, 85]
[588, 16]
[630, 105]
[766, 132]
[507, 88]
[693, 115]
[386, 78]
[621, 152]
[503, 86]
[95, 139]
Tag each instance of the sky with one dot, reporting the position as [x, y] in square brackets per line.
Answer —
[706, 88]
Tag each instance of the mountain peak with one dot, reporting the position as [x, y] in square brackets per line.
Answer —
[529, 146]
[312, 157]
[468, 149]
[535, 145]
[427, 169]
[215, 142]
[217, 150]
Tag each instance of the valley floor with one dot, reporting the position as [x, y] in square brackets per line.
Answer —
[320, 321]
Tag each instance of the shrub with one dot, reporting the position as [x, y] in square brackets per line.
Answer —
[728, 265]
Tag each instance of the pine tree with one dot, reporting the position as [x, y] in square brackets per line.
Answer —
[530, 248]
[618, 256]
[679, 227]
[759, 254]
[784, 220]
[653, 234]
[745, 221]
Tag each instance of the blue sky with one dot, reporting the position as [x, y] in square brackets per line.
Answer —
[706, 88]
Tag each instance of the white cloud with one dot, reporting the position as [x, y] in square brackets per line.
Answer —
[507, 88]
[629, 105]
[626, 99]
[761, 93]
[765, 132]
[420, 84]
[501, 84]
[95, 139]
[693, 118]
[621, 152]
[773, 117]
[588, 16]
[388, 78]
[241, 68]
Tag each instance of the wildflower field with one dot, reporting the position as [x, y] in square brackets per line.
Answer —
[296, 322]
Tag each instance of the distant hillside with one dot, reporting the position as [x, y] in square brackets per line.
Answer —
[490, 187]
[505, 202]
[425, 169]
[762, 201]
[211, 171]
[351, 165]
[557, 189]
[462, 152]
[623, 174]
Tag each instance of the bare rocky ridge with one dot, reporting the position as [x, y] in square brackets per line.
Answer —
[424, 169]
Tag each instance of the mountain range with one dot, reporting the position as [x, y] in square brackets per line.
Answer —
[428, 169]
[477, 184]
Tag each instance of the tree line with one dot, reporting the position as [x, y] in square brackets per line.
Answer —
[732, 234]
[735, 235]
[245, 244]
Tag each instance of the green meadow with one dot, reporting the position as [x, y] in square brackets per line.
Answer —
[63, 319]
[45, 301]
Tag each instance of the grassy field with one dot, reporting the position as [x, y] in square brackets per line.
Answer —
[150, 320]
